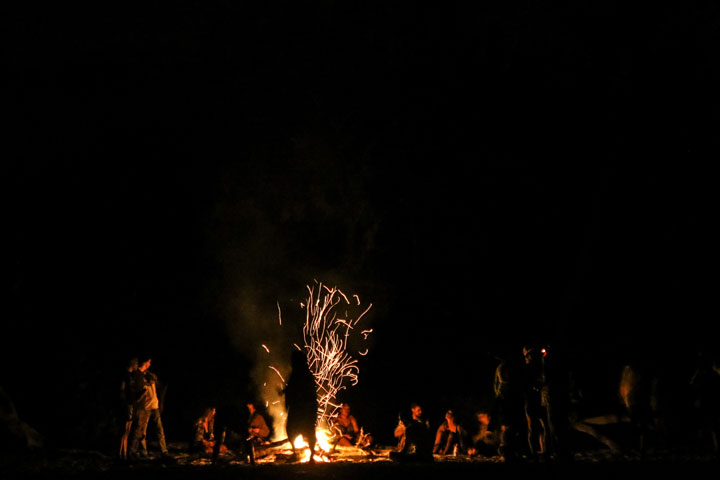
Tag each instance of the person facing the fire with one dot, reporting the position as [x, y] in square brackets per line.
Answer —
[415, 440]
[346, 427]
[258, 430]
[229, 429]
[148, 410]
[301, 402]
[204, 438]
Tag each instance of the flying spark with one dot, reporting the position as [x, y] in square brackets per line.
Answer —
[326, 345]
[278, 372]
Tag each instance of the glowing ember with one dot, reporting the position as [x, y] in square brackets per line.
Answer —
[330, 320]
[326, 341]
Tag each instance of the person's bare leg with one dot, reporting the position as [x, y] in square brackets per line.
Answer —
[311, 442]
[124, 440]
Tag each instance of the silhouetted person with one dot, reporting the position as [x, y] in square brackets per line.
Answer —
[510, 407]
[535, 400]
[301, 402]
[555, 400]
[229, 429]
[705, 383]
[636, 392]
[129, 393]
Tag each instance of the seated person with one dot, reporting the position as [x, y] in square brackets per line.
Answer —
[485, 441]
[449, 436]
[414, 439]
[203, 437]
[257, 427]
[346, 427]
[347, 430]
[230, 430]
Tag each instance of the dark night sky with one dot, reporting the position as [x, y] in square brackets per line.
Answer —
[485, 175]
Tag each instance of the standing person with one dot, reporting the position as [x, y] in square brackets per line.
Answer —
[510, 408]
[536, 400]
[301, 402]
[148, 410]
[130, 388]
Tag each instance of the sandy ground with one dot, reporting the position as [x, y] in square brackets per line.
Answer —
[348, 464]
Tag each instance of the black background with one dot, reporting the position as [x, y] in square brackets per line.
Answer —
[486, 175]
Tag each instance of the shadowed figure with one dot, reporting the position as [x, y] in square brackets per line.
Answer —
[705, 385]
[510, 407]
[641, 392]
[130, 391]
[301, 402]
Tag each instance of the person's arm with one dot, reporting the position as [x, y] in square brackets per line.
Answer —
[400, 429]
[438, 439]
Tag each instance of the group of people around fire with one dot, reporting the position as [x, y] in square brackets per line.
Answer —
[529, 418]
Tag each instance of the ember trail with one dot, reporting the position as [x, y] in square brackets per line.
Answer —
[331, 325]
